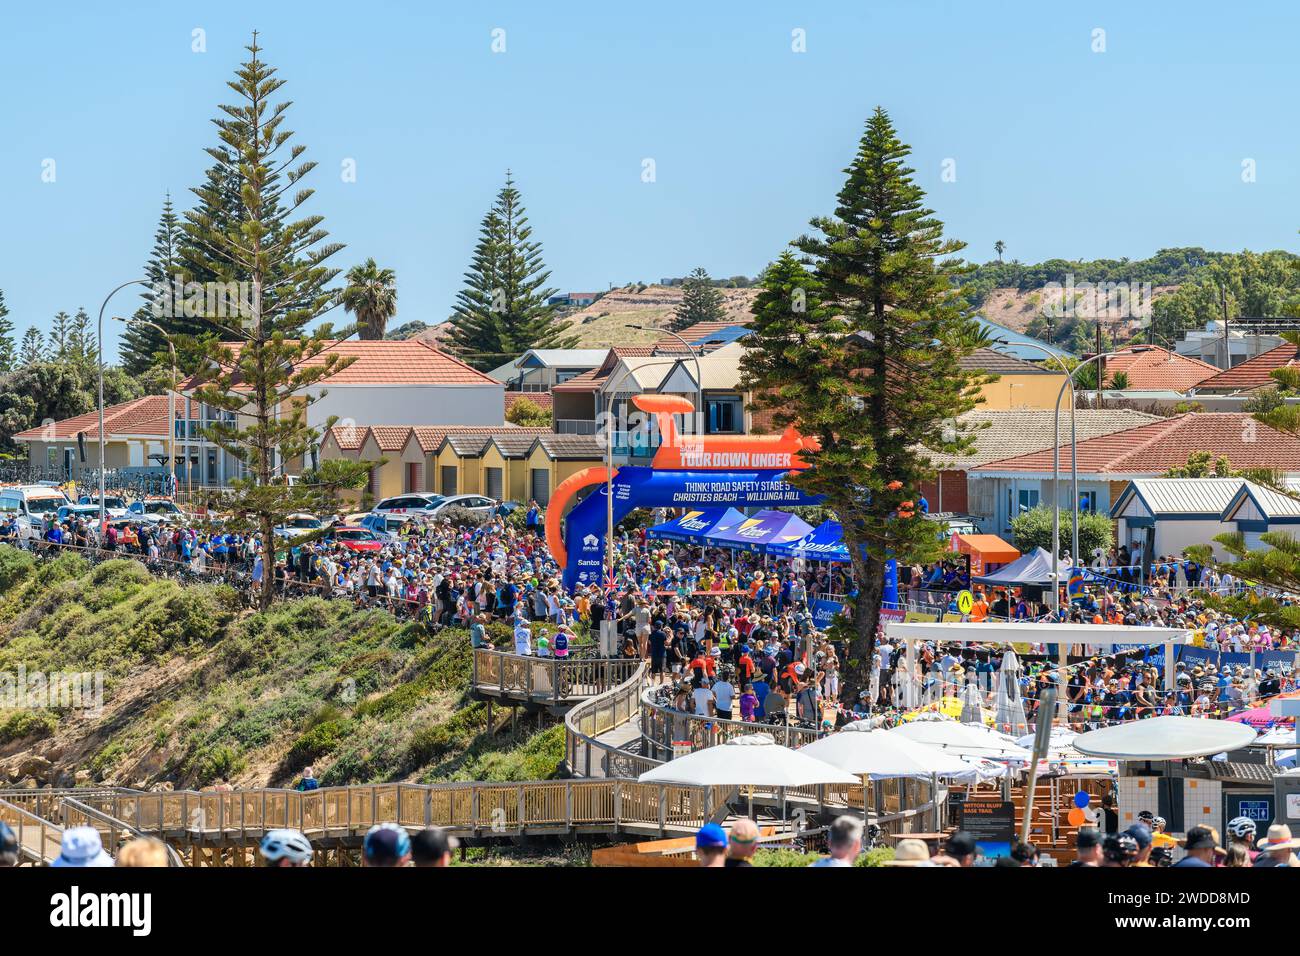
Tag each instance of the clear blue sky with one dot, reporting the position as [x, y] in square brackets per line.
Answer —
[1059, 151]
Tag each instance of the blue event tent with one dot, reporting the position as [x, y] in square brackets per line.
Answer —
[823, 543]
[759, 532]
[696, 526]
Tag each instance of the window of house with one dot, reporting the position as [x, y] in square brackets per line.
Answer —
[1088, 501]
[1026, 499]
[725, 415]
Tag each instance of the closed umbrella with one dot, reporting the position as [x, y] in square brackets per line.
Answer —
[972, 710]
[1009, 714]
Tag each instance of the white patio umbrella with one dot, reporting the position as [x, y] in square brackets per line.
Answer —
[1060, 743]
[962, 740]
[881, 755]
[1165, 738]
[754, 760]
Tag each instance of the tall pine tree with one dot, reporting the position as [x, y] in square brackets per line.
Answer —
[701, 302]
[502, 312]
[60, 330]
[83, 347]
[33, 348]
[265, 378]
[143, 347]
[8, 351]
[864, 354]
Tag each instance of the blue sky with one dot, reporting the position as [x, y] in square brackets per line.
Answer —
[1058, 150]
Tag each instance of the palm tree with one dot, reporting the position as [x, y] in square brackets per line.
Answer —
[371, 295]
[998, 247]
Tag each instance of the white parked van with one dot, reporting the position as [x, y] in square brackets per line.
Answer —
[33, 505]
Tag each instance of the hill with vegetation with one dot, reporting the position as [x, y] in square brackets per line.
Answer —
[196, 689]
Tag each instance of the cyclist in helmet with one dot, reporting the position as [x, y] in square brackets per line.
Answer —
[285, 848]
[386, 844]
[1241, 830]
[1119, 849]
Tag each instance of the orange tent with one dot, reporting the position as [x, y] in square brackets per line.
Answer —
[986, 551]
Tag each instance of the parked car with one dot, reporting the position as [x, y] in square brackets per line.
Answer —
[476, 504]
[88, 512]
[157, 511]
[411, 503]
[385, 526]
[355, 538]
[114, 505]
[297, 525]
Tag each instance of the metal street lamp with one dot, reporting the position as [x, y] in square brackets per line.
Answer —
[609, 467]
[698, 424]
[171, 395]
[100, 348]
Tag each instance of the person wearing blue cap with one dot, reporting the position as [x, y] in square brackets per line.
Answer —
[711, 845]
[386, 845]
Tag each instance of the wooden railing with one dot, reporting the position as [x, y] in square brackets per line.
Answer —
[555, 681]
[662, 725]
[346, 813]
[39, 840]
[599, 715]
[113, 832]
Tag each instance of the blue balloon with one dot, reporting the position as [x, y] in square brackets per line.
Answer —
[1081, 799]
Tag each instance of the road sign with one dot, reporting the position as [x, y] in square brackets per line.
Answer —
[965, 601]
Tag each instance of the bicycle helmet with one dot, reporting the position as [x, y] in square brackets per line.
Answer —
[1241, 827]
[1120, 848]
[286, 845]
[386, 844]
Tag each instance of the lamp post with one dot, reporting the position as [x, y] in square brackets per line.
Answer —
[698, 424]
[171, 397]
[100, 399]
[609, 467]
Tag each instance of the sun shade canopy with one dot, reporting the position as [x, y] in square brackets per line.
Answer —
[1164, 738]
[753, 760]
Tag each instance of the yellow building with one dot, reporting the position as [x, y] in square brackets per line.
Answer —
[505, 466]
[553, 458]
[1019, 384]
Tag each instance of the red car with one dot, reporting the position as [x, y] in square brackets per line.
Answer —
[356, 539]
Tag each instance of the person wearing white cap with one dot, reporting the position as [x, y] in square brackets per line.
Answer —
[82, 847]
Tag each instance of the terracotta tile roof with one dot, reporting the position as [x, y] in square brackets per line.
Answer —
[430, 437]
[389, 362]
[1152, 368]
[998, 363]
[146, 417]
[1005, 433]
[390, 437]
[1253, 373]
[542, 400]
[1154, 448]
[586, 382]
[348, 437]
[572, 446]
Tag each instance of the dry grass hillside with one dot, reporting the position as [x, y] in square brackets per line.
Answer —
[1015, 309]
[604, 324]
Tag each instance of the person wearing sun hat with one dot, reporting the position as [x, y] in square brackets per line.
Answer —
[910, 853]
[1276, 848]
[82, 847]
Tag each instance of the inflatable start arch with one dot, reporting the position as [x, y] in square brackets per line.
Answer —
[687, 471]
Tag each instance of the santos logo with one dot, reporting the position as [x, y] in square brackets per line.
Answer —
[590, 543]
[74, 909]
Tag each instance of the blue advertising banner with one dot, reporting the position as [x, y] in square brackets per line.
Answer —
[823, 612]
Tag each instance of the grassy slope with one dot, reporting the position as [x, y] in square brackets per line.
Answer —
[195, 690]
